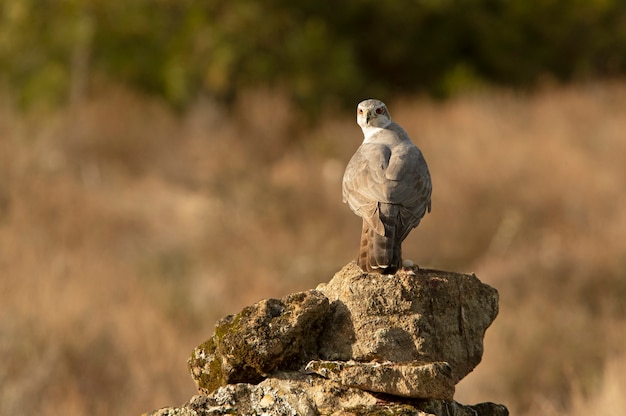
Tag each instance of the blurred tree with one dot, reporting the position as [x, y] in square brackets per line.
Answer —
[51, 49]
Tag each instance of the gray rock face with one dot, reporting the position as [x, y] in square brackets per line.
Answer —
[301, 394]
[421, 315]
[360, 344]
[414, 380]
[269, 335]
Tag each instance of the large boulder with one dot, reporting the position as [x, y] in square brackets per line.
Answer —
[415, 315]
[269, 335]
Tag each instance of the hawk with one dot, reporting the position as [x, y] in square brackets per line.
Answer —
[387, 183]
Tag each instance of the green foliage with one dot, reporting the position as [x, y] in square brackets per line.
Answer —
[51, 49]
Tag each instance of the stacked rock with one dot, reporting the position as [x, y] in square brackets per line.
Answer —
[360, 344]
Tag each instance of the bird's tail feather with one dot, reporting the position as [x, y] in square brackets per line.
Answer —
[379, 253]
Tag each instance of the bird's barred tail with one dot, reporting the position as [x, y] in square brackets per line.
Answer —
[379, 253]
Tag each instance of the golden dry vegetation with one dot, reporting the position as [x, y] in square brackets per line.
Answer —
[127, 230]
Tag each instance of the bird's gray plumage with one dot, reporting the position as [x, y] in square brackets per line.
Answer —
[387, 183]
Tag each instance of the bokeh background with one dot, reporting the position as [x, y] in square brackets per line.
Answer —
[165, 163]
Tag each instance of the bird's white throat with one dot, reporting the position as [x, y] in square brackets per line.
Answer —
[369, 132]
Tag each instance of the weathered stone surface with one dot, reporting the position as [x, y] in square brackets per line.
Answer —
[491, 409]
[266, 336]
[413, 380]
[294, 393]
[375, 344]
[415, 315]
[452, 408]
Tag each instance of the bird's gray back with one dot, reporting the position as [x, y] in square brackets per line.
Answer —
[388, 168]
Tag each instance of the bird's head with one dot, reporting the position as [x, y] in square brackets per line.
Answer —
[372, 113]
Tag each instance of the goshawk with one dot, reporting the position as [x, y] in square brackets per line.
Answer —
[387, 183]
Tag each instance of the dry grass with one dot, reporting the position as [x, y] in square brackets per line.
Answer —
[127, 231]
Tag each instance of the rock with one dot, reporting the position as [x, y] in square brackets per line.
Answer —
[266, 336]
[491, 409]
[452, 408]
[361, 344]
[295, 393]
[415, 315]
[413, 380]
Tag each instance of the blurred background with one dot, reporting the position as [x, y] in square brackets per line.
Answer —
[165, 163]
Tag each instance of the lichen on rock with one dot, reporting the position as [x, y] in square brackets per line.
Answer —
[271, 334]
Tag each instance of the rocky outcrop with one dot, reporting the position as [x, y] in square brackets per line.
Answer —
[296, 393]
[360, 344]
[414, 315]
[272, 334]
[429, 380]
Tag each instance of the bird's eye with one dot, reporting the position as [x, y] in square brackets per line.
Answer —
[379, 110]
[360, 111]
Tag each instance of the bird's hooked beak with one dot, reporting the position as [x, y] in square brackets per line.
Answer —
[368, 116]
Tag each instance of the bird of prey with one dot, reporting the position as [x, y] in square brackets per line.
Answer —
[387, 183]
